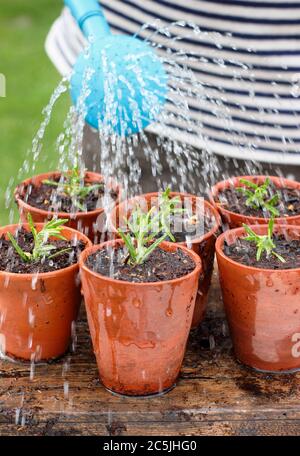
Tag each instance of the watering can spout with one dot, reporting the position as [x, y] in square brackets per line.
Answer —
[125, 66]
[90, 18]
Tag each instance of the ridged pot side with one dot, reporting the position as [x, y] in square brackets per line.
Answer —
[92, 223]
[234, 219]
[262, 307]
[204, 246]
[37, 311]
[139, 330]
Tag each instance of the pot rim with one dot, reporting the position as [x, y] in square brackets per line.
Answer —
[90, 250]
[208, 207]
[215, 190]
[68, 215]
[45, 275]
[239, 232]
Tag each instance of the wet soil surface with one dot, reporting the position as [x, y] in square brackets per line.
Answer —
[288, 202]
[185, 230]
[192, 228]
[159, 266]
[52, 198]
[10, 260]
[244, 252]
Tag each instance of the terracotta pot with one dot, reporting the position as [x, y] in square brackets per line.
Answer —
[91, 223]
[234, 219]
[204, 246]
[37, 311]
[139, 330]
[262, 307]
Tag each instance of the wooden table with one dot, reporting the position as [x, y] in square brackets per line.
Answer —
[214, 395]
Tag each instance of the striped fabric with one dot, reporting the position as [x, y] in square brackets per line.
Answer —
[247, 59]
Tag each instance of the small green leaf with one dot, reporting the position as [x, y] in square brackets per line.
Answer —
[24, 255]
[270, 228]
[51, 182]
[60, 252]
[129, 244]
[249, 230]
[264, 243]
[146, 230]
[256, 197]
[152, 247]
[259, 252]
[31, 226]
[248, 183]
[280, 258]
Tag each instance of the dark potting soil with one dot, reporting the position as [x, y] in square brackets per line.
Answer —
[160, 265]
[288, 202]
[50, 198]
[10, 260]
[192, 228]
[244, 252]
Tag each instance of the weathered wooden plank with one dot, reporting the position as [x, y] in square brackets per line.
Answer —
[193, 394]
[34, 416]
[208, 428]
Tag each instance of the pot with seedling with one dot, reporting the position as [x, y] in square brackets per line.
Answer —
[188, 220]
[39, 288]
[256, 199]
[79, 196]
[259, 268]
[140, 293]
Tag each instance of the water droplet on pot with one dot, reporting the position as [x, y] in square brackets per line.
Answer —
[34, 281]
[169, 312]
[137, 303]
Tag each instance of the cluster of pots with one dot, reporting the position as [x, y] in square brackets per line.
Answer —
[140, 330]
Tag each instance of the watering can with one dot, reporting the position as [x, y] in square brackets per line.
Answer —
[136, 77]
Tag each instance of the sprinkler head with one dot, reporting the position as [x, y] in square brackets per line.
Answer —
[121, 83]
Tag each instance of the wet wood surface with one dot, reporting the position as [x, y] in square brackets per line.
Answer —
[214, 394]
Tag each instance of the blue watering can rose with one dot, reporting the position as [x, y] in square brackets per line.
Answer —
[123, 80]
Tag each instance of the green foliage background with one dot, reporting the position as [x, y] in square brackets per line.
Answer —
[30, 80]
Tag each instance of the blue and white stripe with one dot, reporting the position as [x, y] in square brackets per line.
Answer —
[247, 60]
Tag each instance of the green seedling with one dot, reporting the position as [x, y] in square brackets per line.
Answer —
[168, 208]
[42, 249]
[145, 231]
[264, 243]
[73, 186]
[256, 196]
[142, 236]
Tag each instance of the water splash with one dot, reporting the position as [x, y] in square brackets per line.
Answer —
[166, 153]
